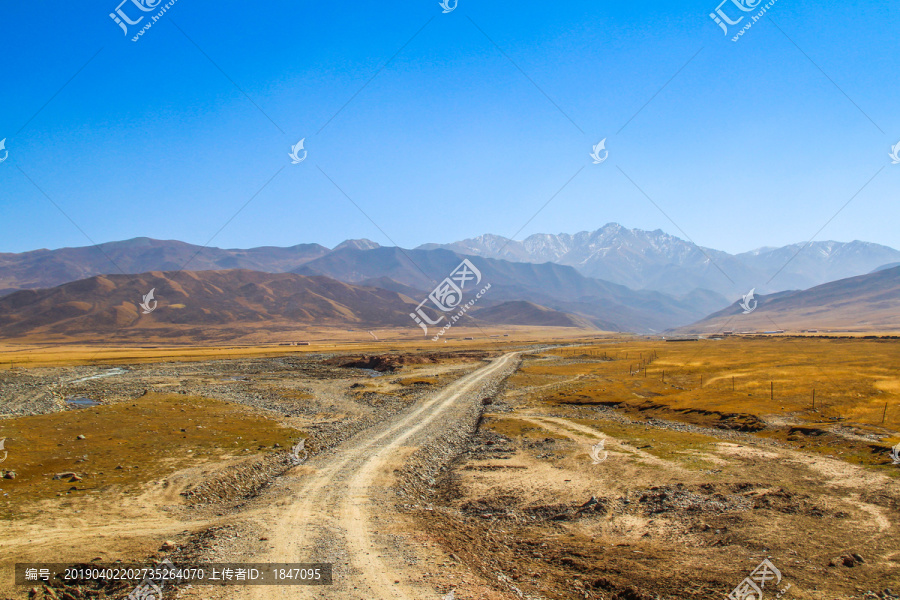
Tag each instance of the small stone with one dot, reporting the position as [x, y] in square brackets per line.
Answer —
[848, 561]
[80, 437]
[75, 478]
[168, 545]
[9, 475]
[858, 558]
[276, 445]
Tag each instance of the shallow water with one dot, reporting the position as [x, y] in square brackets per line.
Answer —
[81, 401]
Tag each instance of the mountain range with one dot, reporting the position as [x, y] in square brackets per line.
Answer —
[638, 259]
[655, 260]
[613, 278]
[868, 302]
[211, 305]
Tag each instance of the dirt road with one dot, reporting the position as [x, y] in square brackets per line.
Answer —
[339, 509]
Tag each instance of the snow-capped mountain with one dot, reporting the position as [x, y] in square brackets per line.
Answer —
[659, 261]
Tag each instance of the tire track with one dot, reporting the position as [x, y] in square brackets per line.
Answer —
[333, 503]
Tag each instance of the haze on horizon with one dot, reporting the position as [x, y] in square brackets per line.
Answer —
[424, 127]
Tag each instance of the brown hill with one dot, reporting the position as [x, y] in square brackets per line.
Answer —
[207, 305]
[189, 302]
[528, 313]
[865, 303]
[47, 268]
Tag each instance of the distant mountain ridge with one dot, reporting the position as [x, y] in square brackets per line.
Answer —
[205, 305]
[656, 260]
[868, 303]
[616, 278]
[49, 268]
[607, 305]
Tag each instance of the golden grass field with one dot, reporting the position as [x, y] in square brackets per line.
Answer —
[127, 445]
[811, 479]
[853, 379]
[27, 354]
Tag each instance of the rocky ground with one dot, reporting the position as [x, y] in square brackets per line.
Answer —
[418, 484]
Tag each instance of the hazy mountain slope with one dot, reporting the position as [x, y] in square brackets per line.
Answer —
[887, 266]
[609, 306]
[190, 301]
[650, 260]
[521, 312]
[659, 261]
[809, 265]
[203, 305]
[48, 268]
[864, 303]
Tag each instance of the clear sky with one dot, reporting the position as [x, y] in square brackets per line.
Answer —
[470, 122]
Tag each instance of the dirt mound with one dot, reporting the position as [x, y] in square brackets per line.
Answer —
[240, 482]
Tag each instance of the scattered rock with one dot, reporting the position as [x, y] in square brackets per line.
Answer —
[80, 437]
[168, 546]
[49, 592]
[9, 475]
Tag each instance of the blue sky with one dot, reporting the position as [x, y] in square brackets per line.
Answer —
[749, 145]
